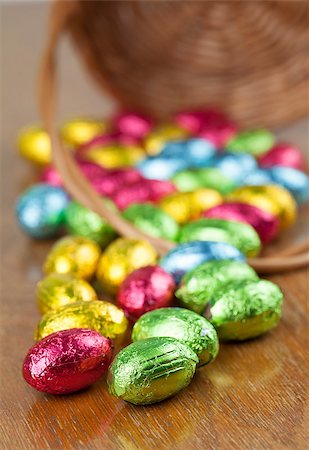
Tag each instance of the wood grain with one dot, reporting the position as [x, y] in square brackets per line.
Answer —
[251, 397]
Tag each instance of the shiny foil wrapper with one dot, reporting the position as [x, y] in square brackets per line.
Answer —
[203, 199]
[264, 223]
[212, 178]
[120, 259]
[40, 210]
[273, 199]
[33, 144]
[179, 205]
[151, 370]
[76, 132]
[115, 179]
[186, 257]
[83, 222]
[240, 235]
[258, 177]
[57, 290]
[256, 142]
[161, 167]
[145, 289]
[201, 284]
[184, 325]
[73, 254]
[67, 361]
[283, 154]
[114, 156]
[236, 166]
[152, 220]
[195, 152]
[295, 181]
[245, 310]
[159, 136]
[133, 124]
[105, 139]
[98, 315]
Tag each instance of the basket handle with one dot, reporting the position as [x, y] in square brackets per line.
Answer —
[80, 188]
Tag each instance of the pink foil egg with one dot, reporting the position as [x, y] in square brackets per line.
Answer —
[145, 289]
[283, 154]
[192, 121]
[67, 361]
[160, 188]
[116, 137]
[264, 223]
[115, 178]
[133, 124]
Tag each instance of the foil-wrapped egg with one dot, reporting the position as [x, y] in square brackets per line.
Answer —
[115, 155]
[104, 317]
[202, 283]
[145, 289]
[120, 259]
[67, 361]
[257, 177]
[295, 181]
[264, 223]
[210, 177]
[152, 220]
[81, 221]
[33, 144]
[236, 166]
[73, 254]
[179, 206]
[56, 290]
[273, 199]
[184, 325]
[283, 154]
[40, 210]
[203, 199]
[76, 132]
[195, 152]
[256, 142]
[159, 136]
[151, 370]
[245, 310]
[115, 179]
[161, 167]
[133, 124]
[240, 235]
[186, 257]
[105, 139]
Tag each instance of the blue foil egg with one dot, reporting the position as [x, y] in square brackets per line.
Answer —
[258, 177]
[196, 152]
[160, 167]
[40, 210]
[187, 256]
[293, 180]
[237, 166]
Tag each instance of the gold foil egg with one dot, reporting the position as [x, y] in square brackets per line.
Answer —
[57, 290]
[104, 317]
[78, 131]
[73, 254]
[156, 140]
[122, 257]
[204, 198]
[34, 145]
[271, 198]
[114, 156]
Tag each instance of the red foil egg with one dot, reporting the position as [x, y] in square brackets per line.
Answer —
[264, 223]
[67, 361]
[283, 154]
[133, 124]
[145, 289]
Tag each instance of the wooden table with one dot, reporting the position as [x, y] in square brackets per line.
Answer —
[251, 397]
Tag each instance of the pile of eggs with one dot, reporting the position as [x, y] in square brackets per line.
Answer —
[218, 192]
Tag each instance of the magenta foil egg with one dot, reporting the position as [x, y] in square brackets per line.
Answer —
[192, 121]
[264, 223]
[133, 124]
[116, 137]
[160, 188]
[217, 128]
[145, 289]
[283, 154]
[114, 179]
[67, 361]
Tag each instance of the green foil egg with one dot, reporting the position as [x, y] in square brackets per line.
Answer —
[210, 177]
[255, 142]
[201, 284]
[240, 235]
[152, 220]
[186, 326]
[82, 221]
[151, 370]
[246, 310]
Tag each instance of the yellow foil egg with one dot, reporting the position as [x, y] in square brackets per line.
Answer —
[73, 254]
[122, 257]
[271, 198]
[156, 140]
[57, 290]
[102, 316]
[178, 205]
[114, 156]
[204, 198]
[78, 131]
[34, 145]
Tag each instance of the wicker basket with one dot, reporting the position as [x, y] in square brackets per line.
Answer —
[249, 58]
